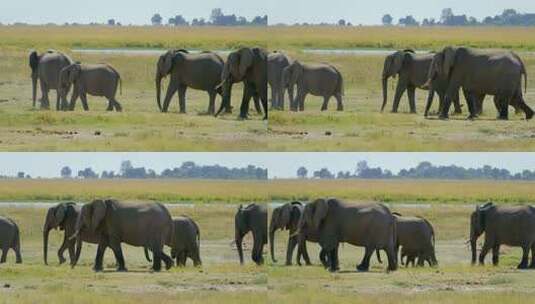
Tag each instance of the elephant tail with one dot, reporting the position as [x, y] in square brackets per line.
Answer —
[34, 61]
[523, 72]
[340, 85]
[119, 79]
[432, 231]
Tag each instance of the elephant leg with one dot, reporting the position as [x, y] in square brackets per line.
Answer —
[4, 255]
[457, 109]
[483, 253]
[211, 102]
[525, 255]
[532, 264]
[495, 254]
[111, 105]
[257, 250]
[274, 98]
[324, 258]
[58, 101]
[74, 97]
[523, 106]
[471, 101]
[182, 260]
[339, 102]
[45, 104]
[182, 98]
[100, 255]
[412, 98]
[429, 102]
[117, 105]
[196, 257]
[18, 256]
[62, 249]
[83, 98]
[304, 254]
[325, 104]
[292, 242]
[280, 98]
[302, 101]
[504, 108]
[400, 89]
[332, 256]
[421, 260]
[257, 104]
[247, 95]
[115, 245]
[171, 90]
[365, 263]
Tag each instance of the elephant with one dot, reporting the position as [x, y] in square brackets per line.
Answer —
[92, 79]
[63, 216]
[317, 79]
[498, 74]
[197, 71]
[251, 218]
[513, 226]
[9, 239]
[412, 69]
[186, 242]
[247, 65]
[287, 217]
[140, 225]
[45, 69]
[371, 226]
[276, 63]
[416, 237]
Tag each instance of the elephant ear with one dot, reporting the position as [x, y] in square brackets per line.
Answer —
[449, 54]
[246, 60]
[285, 214]
[60, 214]
[397, 62]
[320, 212]
[98, 213]
[74, 72]
[177, 59]
[166, 62]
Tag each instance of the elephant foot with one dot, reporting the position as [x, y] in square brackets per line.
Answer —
[18, 262]
[98, 268]
[61, 260]
[288, 263]
[529, 115]
[532, 265]
[169, 266]
[523, 265]
[122, 269]
[340, 109]
[443, 117]
[362, 268]
[413, 112]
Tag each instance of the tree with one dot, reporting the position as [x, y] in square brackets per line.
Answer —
[408, 21]
[66, 172]
[387, 19]
[111, 22]
[446, 15]
[21, 175]
[341, 22]
[156, 20]
[324, 173]
[302, 172]
[216, 15]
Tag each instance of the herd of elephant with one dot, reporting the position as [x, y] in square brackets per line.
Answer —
[205, 71]
[326, 221]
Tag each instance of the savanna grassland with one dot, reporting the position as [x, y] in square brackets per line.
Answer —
[361, 127]
[140, 127]
[453, 281]
[212, 204]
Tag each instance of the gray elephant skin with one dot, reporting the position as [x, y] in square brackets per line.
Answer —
[139, 225]
[247, 65]
[45, 69]
[416, 237]
[370, 226]
[287, 217]
[197, 71]
[185, 243]
[277, 61]
[9, 239]
[498, 74]
[319, 79]
[252, 218]
[63, 216]
[511, 226]
[100, 80]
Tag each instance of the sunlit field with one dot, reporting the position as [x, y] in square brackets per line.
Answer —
[140, 127]
[362, 127]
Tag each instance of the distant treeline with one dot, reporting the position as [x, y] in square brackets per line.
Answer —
[424, 170]
[188, 170]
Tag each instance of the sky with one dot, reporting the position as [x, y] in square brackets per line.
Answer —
[279, 165]
[286, 11]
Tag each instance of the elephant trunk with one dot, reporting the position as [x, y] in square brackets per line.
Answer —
[385, 94]
[272, 244]
[46, 232]
[158, 80]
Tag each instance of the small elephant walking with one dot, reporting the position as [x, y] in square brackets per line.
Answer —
[511, 226]
[63, 216]
[9, 239]
[45, 69]
[94, 79]
[276, 63]
[317, 79]
[252, 218]
[197, 71]
[288, 216]
[416, 237]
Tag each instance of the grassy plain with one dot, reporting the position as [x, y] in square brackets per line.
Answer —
[140, 127]
[361, 127]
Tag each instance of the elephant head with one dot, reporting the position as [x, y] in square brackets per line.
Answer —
[291, 75]
[392, 66]
[91, 216]
[478, 221]
[442, 65]
[34, 65]
[241, 223]
[314, 213]
[165, 65]
[68, 76]
[55, 219]
[283, 217]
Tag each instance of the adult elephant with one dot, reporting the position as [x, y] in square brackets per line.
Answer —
[197, 71]
[247, 65]
[9, 239]
[370, 226]
[63, 217]
[319, 79]
[93, 79]
[276, 63]
[412, 70]
[416, 237]
[287, 217]
[252, 218]
[45, 69]
[511, 226]
[185, 243]
[498, 74]
[140, 225]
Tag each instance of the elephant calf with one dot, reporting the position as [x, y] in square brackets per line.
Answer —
[9, 239]
[252, 218]
[93, 79]
[416, 237]
[317, 79]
